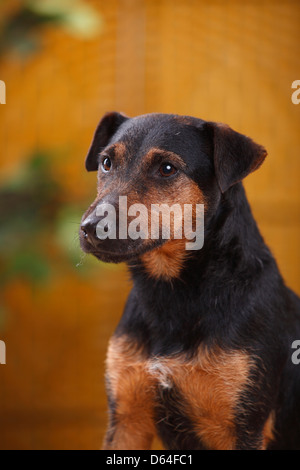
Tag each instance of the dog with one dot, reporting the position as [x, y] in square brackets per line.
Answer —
[201, 357]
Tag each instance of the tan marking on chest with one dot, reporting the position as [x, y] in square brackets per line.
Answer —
[268, 431]
[210, 385]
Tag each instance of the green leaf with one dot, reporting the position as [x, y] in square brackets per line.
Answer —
[32, 265]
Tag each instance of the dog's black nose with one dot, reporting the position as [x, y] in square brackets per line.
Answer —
[85, 234]
[88, 230]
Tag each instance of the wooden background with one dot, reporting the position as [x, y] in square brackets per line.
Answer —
[231, 62]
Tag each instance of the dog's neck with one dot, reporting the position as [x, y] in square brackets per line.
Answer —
[214, 283]
[232, 242]
[232, 231]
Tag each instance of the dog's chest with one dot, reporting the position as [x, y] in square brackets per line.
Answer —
[203, 391]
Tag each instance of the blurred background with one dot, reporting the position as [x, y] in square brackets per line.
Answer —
[65, 63]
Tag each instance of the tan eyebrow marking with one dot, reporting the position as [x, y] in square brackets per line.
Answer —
[117, 150]
[173, 157]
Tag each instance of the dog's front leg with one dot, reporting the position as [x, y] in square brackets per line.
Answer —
[131, 396]
[129, 429]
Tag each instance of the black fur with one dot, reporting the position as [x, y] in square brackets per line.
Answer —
[230, 293]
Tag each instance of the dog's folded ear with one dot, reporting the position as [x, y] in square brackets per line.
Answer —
[235, 155]
[105, 130]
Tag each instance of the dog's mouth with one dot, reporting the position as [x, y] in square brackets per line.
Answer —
[115, 257]
[126, 254]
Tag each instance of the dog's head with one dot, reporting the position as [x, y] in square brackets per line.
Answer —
[154, 160]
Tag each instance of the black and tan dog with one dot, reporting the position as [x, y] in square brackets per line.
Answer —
[202, 354]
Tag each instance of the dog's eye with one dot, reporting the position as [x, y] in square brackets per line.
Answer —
[106, 164]
[166, 169]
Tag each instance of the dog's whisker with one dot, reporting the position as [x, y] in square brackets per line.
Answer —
[82, 258]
